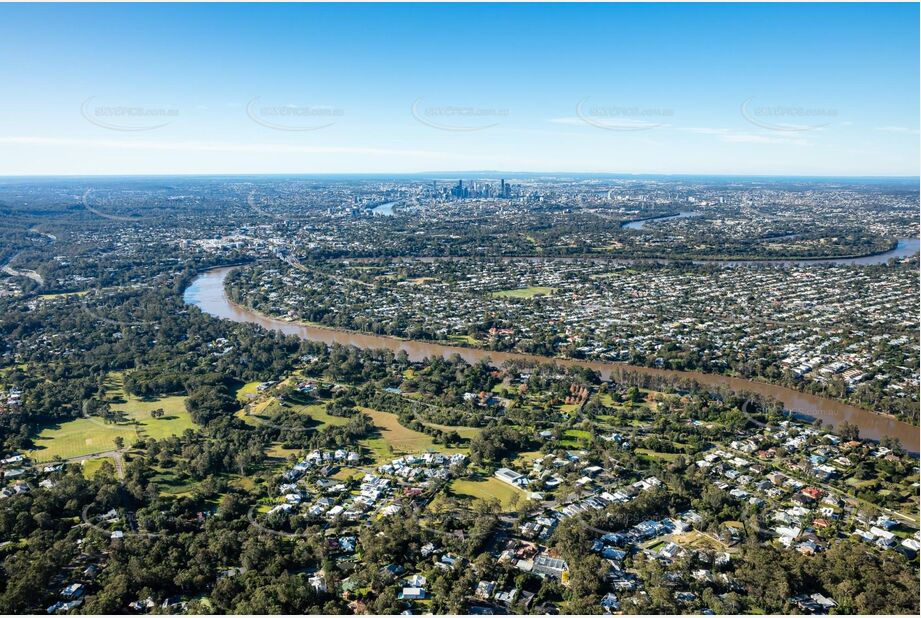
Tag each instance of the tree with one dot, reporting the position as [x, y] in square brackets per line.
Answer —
[849, 431]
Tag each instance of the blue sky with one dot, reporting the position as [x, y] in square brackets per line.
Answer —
[814, 89]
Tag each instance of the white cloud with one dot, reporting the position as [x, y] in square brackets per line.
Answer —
[612, 124]
[906, 130]
[735, 137]
[567, 120]
[704, 130]
[751, 138]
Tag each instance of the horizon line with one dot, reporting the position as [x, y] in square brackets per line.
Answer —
[461, 172]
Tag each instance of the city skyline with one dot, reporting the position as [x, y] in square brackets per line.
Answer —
[780, 90]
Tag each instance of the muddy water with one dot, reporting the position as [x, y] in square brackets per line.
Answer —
[207, 293]
[904, 248]
[641, 223]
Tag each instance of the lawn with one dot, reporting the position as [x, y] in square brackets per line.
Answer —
[575, 438]
[78, 438]
[254, 411]
[526, 458]
[467, 433]
[265, 410]
[344, 474]
[467, 339]
[529, 292]
[502, 388]
[277, 451]
[174, 422]
[657, 455]
[62, 295]
[246, 483]
[317, 411]
[171, 484]
[92, 466]
[607, 400]
[248, 391]
[487, 488]
[394, 439]
[88, 436]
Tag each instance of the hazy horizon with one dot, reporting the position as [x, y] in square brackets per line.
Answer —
[729, 89]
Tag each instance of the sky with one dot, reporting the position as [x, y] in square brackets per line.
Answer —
[808, 89]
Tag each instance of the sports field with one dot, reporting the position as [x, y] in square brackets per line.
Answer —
[88, 436]
[529, 292]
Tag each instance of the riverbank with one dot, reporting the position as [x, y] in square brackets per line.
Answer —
[461, 344]
[901, 248]
[207, 292]
[639, 224]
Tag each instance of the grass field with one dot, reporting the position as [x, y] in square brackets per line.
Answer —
[394, 439]
[467, 339]
[503, 389]
[264, 410]
[92, 466]
[78, 438]
[467, 433]
[171, 484]
[88, 436]
[62, 295]
[345, 474]
[657, 455]
[317, 411]
[530, 292]
[607, 400]
[255, 409]
[487, 488]
[526, 458]
[247, 391]
[573, 438]
[246, 483]
[277, 451]
[698, 540]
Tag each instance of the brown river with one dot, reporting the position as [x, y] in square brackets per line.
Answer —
[207, 293]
